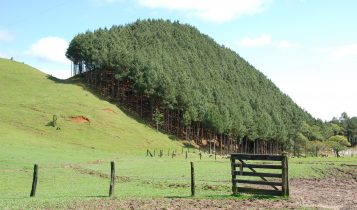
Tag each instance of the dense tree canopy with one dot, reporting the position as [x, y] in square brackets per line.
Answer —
[190, 72]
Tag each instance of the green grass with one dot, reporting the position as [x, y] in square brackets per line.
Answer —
[29, 99]
[138, 176]
[74, 161]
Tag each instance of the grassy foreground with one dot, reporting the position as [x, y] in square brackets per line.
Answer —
[74, 159]
[138, 176]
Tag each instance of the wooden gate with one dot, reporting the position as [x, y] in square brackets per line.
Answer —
[267, 163]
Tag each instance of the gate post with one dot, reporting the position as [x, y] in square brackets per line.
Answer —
[285, 175]
[234, 181]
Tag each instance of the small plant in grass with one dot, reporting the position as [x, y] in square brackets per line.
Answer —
[53, 123]
[54, 120]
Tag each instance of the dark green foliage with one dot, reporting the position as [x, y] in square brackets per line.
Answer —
[158, 118]
[347, 126]
[190, 72]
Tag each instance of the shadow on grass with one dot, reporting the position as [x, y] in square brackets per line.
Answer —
[61, 81]
[55, 197]
[243, 196]
[98, 196]
[184, 196]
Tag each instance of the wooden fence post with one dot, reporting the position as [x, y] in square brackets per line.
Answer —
[173, 153]
[285, 175]
[192, 180]
[112, 179]
[148, 151]
[34, 181]
[234, 181]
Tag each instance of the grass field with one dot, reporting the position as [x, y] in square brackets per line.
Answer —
[137, 177]
[74, 160]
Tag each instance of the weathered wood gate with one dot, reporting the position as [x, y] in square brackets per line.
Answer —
[280, 184]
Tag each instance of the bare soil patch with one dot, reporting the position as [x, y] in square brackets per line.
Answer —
[183, 203]
[80, 119]
[339, 191]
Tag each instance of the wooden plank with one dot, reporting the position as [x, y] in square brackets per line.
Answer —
[259, 191]
[259, 182]
[267, 166]
[241, 169]
[256, 157]
[258, 174]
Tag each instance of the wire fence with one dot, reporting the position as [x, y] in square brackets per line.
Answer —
[135, 176]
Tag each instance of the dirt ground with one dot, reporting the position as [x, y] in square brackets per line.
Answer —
[336, 192]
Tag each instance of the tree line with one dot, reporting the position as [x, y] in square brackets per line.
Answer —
[207, 84]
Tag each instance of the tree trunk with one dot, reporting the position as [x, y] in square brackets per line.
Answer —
[221, 144]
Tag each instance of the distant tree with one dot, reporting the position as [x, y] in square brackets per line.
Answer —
[315, 147]
[338, 143]
[158, 118]
[348, 125]
[300, 144]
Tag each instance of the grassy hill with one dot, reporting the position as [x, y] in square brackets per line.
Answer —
[30, 98]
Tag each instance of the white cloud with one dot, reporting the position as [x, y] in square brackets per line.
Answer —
[6, 36]
[51, 49]
[266, 40]
[211, 10]
[345, 51]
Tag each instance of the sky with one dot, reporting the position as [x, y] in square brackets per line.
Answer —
[308, 48]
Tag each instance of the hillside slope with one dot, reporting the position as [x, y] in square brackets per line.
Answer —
[30, 98]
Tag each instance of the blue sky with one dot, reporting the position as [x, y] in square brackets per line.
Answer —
[308, 48]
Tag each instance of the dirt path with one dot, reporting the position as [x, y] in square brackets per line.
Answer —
[326, 193]
[182, 203]
[339, 192]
